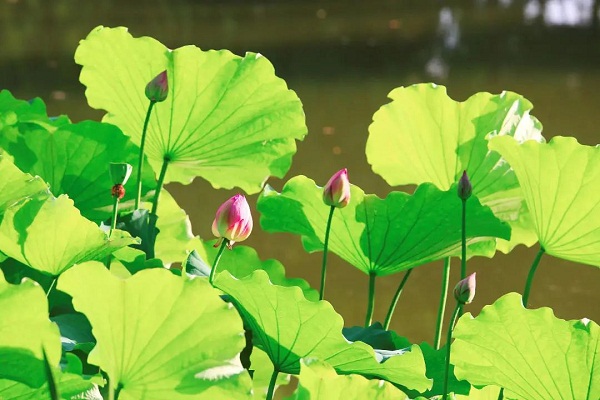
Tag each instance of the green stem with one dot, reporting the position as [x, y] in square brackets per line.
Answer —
[371, 301]
[501, 394]
[388, 317]
[534, 266]
[463, 261]
[217, 258]
[272, 382]
[325, 245]
[159, 184]
[54, 278]
[111, 389]
[449, 339]
[442, 308]
[113, 223]
[141, 158]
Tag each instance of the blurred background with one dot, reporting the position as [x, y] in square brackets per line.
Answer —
[342, 58]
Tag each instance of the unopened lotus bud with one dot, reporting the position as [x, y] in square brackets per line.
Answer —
[233, 220]
[120, 173]
[118, 191]
[336, 192]
[158, 88]
[464, 186]
[464, 291]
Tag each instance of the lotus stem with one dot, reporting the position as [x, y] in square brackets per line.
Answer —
[113, 224]
[501, 394]
[325, 246]
[371, 301]
[455, 314]
[534, 266]
[54, 278]
[52, 386]
[159, 184]
[217, 258]
[272, 382]
[388, 317]
[141, 158]
[463, 261]
[442, 308]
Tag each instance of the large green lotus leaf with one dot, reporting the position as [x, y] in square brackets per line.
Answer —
[289, 327]
[560, 184]
[50, 235]
[319, 381]
[71, 386]
[423, 135]
[228, 119]
[74, 160]
[24, 330]
[241, 261]
[15, 113]
[531, 353]
[160, 336]
[381, 236]
[16, 186]
[486, 393]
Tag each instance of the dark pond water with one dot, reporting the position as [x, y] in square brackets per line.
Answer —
[342, 58]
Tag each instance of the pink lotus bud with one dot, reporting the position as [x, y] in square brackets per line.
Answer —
[464, 187]
[464, 291]
[233, 220]
[337, 191]
[158, 88]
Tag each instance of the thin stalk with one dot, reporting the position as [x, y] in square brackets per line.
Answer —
[442, 308]
[534, 266]
[388, 317]
[325, 245]
[141, 158]
[371, 301]
[272, 382]
[51, 286]
[217, 258]
[457, 310]
[159, 184]
[111, 389]
[501, 394]
[113, 223]
[463, 261]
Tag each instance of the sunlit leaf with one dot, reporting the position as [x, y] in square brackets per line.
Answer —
[50, 235]
[319, 381]
[74, 160]
[423, 135]
[531, 353]
[15, 113]
[560, 184]
[16, 186]
[381, 236]
[24, 330]
[228, 119]
[158, 336]
[241, 261]
[288, 327]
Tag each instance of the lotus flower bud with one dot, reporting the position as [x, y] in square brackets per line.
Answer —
[336, 192]
[464, 186]
[233, 220]
[120, 172]
[158, 88]
[464, 291]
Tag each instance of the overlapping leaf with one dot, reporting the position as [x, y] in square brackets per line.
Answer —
[560, 184]
[158, 336]
[228, 119]
[50, 235]
[425, 136]
[381, 236]
[15, 113]
[318, 381]
[74, 160]
[241, 261]
[16, 186]
[531, 353]
[288, 327]
[24, 330]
